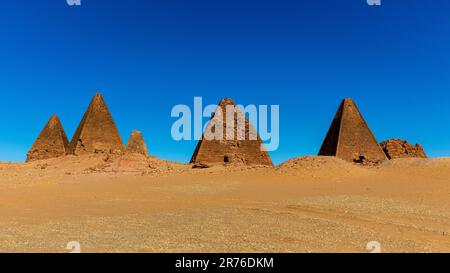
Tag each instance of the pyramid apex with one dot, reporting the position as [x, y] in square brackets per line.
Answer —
[226, 101]
[348, 100]
[97, 97]
[53, 121]
[54, 117]
[97, 102]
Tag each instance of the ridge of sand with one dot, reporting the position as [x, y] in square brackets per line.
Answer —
[323, 167]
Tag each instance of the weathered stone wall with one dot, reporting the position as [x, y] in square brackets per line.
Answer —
[399, 148]
[51, 142]
[231, 150]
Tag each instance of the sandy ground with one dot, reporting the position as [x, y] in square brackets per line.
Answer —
[308, 204]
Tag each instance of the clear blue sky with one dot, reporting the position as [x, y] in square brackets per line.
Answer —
[305, 55]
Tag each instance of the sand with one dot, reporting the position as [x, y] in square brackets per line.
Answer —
[307, 204]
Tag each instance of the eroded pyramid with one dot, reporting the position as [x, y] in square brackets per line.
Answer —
[51, 142]
[399, 148]
[236, 147]
[136, 144]
[350, 138]
[97, 132]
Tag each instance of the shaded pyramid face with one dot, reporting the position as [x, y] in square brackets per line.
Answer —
[236, 145]
[97, 132]
[350, 138]
[136, 144]
[51, 142]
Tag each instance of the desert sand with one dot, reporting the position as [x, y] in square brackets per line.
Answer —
[307, 204]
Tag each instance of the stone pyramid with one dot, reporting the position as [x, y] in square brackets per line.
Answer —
[399, 148]
[136, 144]
[231, 149]
[350, 138]
[97, 132]
[51, 142]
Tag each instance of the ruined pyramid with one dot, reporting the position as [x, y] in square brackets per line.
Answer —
[136, 144]
[97, 132]
[51, 142]
[350, 138]
[399, 148]
[234, 148]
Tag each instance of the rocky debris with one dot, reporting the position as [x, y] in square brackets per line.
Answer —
[52, 142]
[136, 144]
[234, 146]
[135, 163]
[97, 132]
[399, 148]
[350, 138]
[363, 160]
[200, 165]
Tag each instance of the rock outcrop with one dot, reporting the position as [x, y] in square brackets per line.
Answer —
[235, 146]
[97, 132]
[136, 144]
[399, 148]
[51, 142]
[350, 138]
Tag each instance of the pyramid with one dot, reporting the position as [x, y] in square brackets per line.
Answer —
[350, 138]
[231, 148]
[51, 142]
[136, 144]
[97, 132]
[399, 148]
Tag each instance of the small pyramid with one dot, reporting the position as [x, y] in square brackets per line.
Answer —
[136, 144]
[97, 132]
[350, 138]
[51, 142]
[231, 148]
